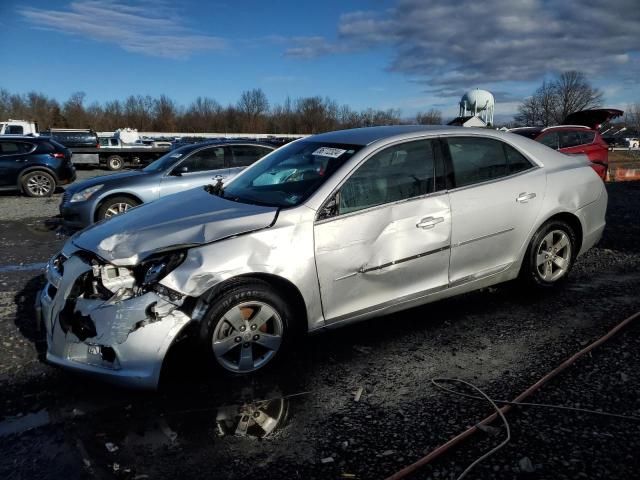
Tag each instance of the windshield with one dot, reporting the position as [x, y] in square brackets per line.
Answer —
[168, 159]
[288, 176]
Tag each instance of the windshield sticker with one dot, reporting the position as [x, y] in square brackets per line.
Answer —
[329, 152]
[176, 155]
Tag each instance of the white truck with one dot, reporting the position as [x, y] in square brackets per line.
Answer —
[119, 148]
[18, 127]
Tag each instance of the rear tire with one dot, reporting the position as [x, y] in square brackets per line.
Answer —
[115, 162]
[550, 255]
[247, 328]
[115, 206]
[38, 184]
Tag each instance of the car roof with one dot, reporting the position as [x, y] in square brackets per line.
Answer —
[210, 143]
[368, 135]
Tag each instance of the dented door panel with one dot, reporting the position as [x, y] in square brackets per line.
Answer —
[382, 255]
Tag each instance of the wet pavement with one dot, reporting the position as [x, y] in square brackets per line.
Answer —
[351, 403]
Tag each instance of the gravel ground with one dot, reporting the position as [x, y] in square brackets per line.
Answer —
[15, 206]
[54, 424]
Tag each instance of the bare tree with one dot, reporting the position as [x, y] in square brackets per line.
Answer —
[253, 104]
[554, 100]
[632, 116]
[432, 117]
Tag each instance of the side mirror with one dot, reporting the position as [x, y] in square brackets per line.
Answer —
[178, 171]
[330, 208]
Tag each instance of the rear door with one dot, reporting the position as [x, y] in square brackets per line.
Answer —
[495, 202]
[203, 167]
[384, 237]
[13, 157]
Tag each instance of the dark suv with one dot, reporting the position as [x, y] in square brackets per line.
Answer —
[34, 165]
[73, 138]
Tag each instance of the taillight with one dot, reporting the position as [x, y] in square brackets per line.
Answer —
[57, 155]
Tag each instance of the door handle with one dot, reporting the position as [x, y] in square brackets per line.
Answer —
[429, 222]
[524, 197]
[21, 159]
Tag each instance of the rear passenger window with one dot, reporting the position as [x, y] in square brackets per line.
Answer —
[245, 155]
[398, 173]
[15, 148]
[205, 159]
[587, 137]
[515, 160]
[477, 160]
[569, 138]
[550, 140]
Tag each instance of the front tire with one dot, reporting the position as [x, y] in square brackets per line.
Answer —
[38, 184]
[115, 206]
[247, 328]
[550, 255]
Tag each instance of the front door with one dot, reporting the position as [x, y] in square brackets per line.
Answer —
[202, 167]
[384, 237]
[497, 197]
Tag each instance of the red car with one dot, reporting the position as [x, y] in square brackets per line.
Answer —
[578, 134]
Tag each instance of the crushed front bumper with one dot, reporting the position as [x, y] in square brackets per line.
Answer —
[119, 340]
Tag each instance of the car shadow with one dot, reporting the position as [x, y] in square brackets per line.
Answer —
[26, 317]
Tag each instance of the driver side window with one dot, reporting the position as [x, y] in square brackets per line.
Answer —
[397, 173]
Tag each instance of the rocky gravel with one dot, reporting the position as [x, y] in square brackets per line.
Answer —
[15, 206]
[54, 424]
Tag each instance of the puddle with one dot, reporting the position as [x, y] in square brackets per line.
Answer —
[24, 423]
[27, 267]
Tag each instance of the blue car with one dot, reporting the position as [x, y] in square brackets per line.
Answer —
[36, 166]
[186, 167]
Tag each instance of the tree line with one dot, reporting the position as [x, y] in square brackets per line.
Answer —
[252, 113]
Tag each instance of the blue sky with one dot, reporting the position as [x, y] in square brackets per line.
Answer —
[406, 54]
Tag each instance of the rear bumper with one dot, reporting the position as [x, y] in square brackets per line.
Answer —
[592, 219]
[66, 175]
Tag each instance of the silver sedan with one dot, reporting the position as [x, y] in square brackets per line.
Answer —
[328, 230]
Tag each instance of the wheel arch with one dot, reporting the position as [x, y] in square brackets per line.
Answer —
[36, 168]
[569, 218]
[290, 293]
[573, 221]
[101, 202]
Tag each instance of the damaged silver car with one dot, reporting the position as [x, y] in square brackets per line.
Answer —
[327, 230]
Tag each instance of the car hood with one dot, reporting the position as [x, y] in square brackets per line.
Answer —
[185, 219]
[592, 118]
[105, 180]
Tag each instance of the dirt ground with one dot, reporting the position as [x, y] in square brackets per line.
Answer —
[54, 424]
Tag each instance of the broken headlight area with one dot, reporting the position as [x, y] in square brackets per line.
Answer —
[116, 283]
[156, 267]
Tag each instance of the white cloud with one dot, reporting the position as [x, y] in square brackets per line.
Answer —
[451, 46]
[146, 27]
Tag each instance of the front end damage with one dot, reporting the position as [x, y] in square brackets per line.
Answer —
[111, 321]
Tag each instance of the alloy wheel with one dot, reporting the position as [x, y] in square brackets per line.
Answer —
[553, 256]
[39, 185]
[247, 336]
[117, 209]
